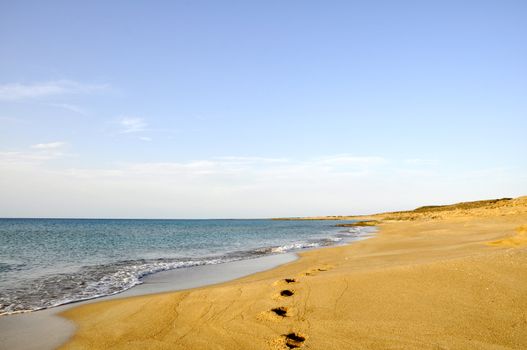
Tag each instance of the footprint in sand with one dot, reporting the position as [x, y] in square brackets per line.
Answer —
[276, 314]
[285, 281]
[291, 340]
[294, 340]
[287, 293]
[280, 311]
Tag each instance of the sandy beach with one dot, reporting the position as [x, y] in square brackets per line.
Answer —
[443, 278]
[263, 175]
[46, 330]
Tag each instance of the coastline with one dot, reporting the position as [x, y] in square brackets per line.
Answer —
[117, 258]
[452, 281]
[19, 331]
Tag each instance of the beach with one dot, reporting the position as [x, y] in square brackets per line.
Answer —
[45, 329]
[250, 175]
[454, 278]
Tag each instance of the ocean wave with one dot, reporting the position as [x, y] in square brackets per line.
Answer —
[294, 246]
[88, 283]
[96, 281]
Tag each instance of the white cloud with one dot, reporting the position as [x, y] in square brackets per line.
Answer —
[132, 125]
[243, 169]
[145, 138]
[37, 154]
[48, 146]
[233, 186]
[27, 158]
[19, 91]
[23, 157]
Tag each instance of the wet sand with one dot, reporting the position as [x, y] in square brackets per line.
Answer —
[453, 279]
[45, 329]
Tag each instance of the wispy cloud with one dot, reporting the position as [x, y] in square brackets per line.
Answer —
[145, 138]
[37, 154]
[22, 158]
[132, 125]
[246, 169]
[229, 186]
[48, 146]
[250, 168]
[20, 91]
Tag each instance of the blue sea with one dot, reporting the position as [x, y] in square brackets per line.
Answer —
[50, 262]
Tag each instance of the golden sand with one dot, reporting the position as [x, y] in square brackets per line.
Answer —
[447, 279]
[519, 239]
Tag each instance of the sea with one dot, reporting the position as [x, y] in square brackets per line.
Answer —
[50, 262]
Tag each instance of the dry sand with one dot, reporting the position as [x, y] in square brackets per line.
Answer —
[449, 279]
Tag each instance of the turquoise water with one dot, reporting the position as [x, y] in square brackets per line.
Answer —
[49, 262]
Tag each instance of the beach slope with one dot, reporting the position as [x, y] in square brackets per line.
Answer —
[453, 278]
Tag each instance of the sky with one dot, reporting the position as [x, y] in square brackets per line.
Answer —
[249, 109]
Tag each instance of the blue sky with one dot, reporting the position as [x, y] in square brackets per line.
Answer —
[253, 109]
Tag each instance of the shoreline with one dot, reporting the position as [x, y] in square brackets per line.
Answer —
[20, 329]
[40, 278]
[448, 281]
